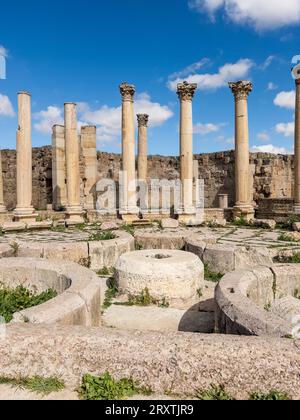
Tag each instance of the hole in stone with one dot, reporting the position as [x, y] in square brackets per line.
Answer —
[159, 256]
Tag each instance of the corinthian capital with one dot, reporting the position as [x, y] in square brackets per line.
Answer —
[143, 120]
[127, 92]
[186, 91]
[241, 89]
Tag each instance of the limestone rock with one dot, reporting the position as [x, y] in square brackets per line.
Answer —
[170, 224]
[296, 226]
[264, 223]
[106, 226]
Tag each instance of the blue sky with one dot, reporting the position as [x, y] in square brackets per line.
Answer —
[62, 51]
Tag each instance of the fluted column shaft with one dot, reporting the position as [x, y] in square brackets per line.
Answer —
[243, 205]
[89, 153]
[129, 205]
[143, 146]
[186, 93]
[24, 209]
[74, 208]
[59, 167]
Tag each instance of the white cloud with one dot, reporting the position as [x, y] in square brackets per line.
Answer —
[270, 148]
[228, 72]
[287, 129]
[262, 15]
[6, 108]
[108, 120]
[46, 119]
[272, 86]
[204, 129]
[3, 51]
[263, 136]
[191, 69]
[286, 99]
[268, 61]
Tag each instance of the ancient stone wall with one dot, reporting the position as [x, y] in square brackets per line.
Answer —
[273, 174]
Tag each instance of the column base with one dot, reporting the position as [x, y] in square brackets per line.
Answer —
[155, 216]
[129, 214]
[74, 216]
[190, 219]
[25, 214]
[247, 212]
[129, 218]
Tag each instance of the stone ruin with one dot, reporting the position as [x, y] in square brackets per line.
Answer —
[178, 302]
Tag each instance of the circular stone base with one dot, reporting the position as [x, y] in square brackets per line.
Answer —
[170, 275]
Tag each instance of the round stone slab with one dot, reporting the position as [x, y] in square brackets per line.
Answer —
[167, 274]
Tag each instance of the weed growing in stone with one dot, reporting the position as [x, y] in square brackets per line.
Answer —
[215, 393]
[129, 229]
[102, 236]
[59, 229]
[110, 294]
[16, 300]
[15, 248]
[144, 299]
[240, 222]
[210, 275]
[106, 388]
[272, 396]
[106, 272]
[284, 237]
[295, 259]
[36, 384]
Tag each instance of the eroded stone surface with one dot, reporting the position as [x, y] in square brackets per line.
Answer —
[167, 274]
[168, 363]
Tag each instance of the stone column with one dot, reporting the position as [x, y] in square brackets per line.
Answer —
[89, 153]
[74, 208]
[24, 211]
[186, 92]
[244, 197]
[59, 168]
[129, 209]
[297, 150]
[143, 147]
[2, 206]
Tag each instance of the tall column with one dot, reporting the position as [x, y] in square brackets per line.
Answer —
[186, 92]
[89, 153]
[59, 168]
[24, 211]
[129, 209]
[297, 150]
[244, 201]
[143, 146]
[2, 206]
[74, 209]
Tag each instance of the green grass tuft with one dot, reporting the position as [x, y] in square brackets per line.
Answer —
[110, 294]
[129, 229]
[20, 298]
[272, 396]
[215, 393]
[108, 389]
[102, 236]
[36, 384]
[210, 275]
